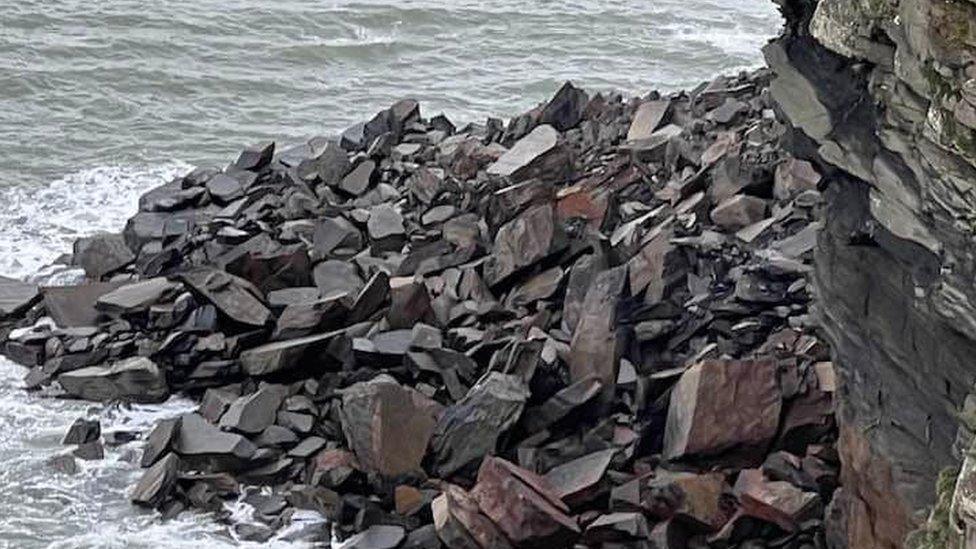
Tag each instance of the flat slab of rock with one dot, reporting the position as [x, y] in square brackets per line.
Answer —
[595, 348]
[387, 425]
[460, 523]
[233, 296]
[279, 356]
[16, 296]
[778, 502]
[539, 154]
[739, 212]
[255, 412]
[102, 254]
[522, 242]
[157, 482]
[200, 438]
[573, 482]
[136, 297]
[648, 119]
[72, 306]
[718, 405]
[359, 179]
[136, 379]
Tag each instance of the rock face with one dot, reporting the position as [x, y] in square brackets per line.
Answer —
[880, 95]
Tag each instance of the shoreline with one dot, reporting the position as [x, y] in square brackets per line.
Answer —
[302, 295]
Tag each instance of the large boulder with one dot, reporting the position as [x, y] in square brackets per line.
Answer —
[135, 379]
[540, 154]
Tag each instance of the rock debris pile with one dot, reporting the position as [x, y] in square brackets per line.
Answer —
[587, 327]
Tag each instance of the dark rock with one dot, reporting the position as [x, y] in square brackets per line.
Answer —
[161, 441]
[460, 523]
[102, 254]
[578, 481]
[82, 431]
[739, 211]
[157, 483]
[369, 413]
[307, 448]
[256, 157]
[234, 297]
[89, 451]
[280, 356]
[136, 379]
[777, 502]
[596, 345]
[648, 119]
[379, 536]
[469, 430]
[386, 231]
[224, 189]
[65, 464]
[255, 412]
[71, 306]
[523, 242]
[335, 277]
[359, 179]
[136, 297]
[202, 442]
[537, 155]
[565, 110]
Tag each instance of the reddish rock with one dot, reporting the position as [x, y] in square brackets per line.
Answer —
[522, 242]
[523, 505]
[719, 405]
[739, 212]
[694, 499]
[387, 425]
[460, 523]
[793, 177]
[578, 481]
[596, 347]
[775, 501]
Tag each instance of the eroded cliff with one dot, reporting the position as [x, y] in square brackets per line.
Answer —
[882, 96]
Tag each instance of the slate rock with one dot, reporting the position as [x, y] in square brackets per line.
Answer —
[255, 412]
[332, 164]
[794, 177]
[161, 440]
[696, 500]
[718, 405]
[136, 297]
[523, 242]
[648, 118]
[378, 536]
[202, 441]
[358, 181]
[89, 451]
[596, 345]
[388, 426]
[157, 483]
[460, 523]
[577, 481]
[777, 502]
[224, 189]
[82, 431]
[739, 212]
[102, 254]
[386, 230]
[233, 296]
[136, 379]
[469, 430]
[565, 110]
[335, 277]
[74, 306]
[540, 154]
[280, 356]
[256, 157]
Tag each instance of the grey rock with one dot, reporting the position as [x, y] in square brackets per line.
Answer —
[161, 441]
[280, 356]
[102, 254]
[255, 412]
[539, 154]
[224, 189]
[359, 179]
[256, 157]
[82, 431]
[199, 438]
[157, 483]
[233, 296]
[136, 297]
[136, 379]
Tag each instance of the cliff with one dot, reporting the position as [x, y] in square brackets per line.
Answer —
[882, 97]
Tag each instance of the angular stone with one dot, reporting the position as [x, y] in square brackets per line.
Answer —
[335, 277]
[89, 451]
[359, 179]
[302, 319]
[73, 306]
[777, 502]
[224, 189]
[102, 254]
[523, 505]
[332, 233]
[255, 412]
[378, 536]
[596, 346]
[656, 268]
[719, 405]
[256, 157]
[201, 440]
[136, 379]
[233, 296]
[331, 165]
[82, 431]
[537, 155]
[541, 286]
[157, 483]
[272, 266]
[307, 448]
[565, 110]
[161, 440]
[697, 500]
[618, 527]
[794, 177]
[577, 481]
[739, 212]
[386, 231]
[387, 425]
[560, 405]
[136, 297]
[460, 523]
[523, 242]
[648, 119]
[280, 356]
[469, 430]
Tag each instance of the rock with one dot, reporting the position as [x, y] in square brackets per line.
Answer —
[697, 500]
[255, 412]
[203, 443]
[234, 297]
[136, 297]
[523, 505]
[359, 179]
[469, 430]
[523, 242]
[777, 502]
[280, 356]
[256, 157]
[161, 440]
[65, 464]
[719, 405]
[224, 189]
[539, 154]
[379, 536]
[102, 254]
[386, 231]
[460, 524]
[408, 500]
[648, 118]
[739, 212]
[307, 448]
[578, 481]
[565, 110]
[89, 451]
[653, 148]
[136, 379]
[83, 431]
[388, 426]
[794, 177]
[72, 306]
[596, 346]
[332, 164]
[335, 277]
[157, 483]
[618, 527]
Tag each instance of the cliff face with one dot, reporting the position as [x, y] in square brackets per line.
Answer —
[882, 95]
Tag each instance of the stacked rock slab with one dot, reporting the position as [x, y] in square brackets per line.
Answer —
[880, 96]
[589, 326]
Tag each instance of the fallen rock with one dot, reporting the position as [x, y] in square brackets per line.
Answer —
[460, 523]
[82, 431]
[135, 379]
[255, 412]
[102, 254]
[157, 483]
[777, 502]
[739, 212]
[233, 296]
[136, 297]
[540, 154]
[523, 242]
[205, 444]
[280, 356]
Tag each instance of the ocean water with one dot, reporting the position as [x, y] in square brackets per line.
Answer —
[100, 101]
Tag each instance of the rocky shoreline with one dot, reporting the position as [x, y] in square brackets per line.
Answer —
[589, 326]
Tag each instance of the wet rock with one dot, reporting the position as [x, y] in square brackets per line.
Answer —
[82, 431]
[224, 189]
[136, 297]
[65, 464]
[388, 426]
[386, 231]
[526, 240]
[469, 430]
[565, 110]
[285, 355]
[794, 177]
[254, 413]
[738, 212]
[537, 155]
[102, 254]
[89, 451]
[256, 157]
[161, 441]
[379, 536]
[523, 505]
[234, 297]
[136, 379]
[359, 179]
[157, 483]
[204, 444]
[71, 306]
[722, 404]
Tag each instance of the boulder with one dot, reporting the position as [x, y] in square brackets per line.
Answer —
[596, 345]
[378, 536]
[388, 426]
[136, 297]
[739, 212]
[720, 405]
[204, 445]
[460, 523]
[161, 440]
[235, 297]
[157, 483]
[102, 254]
[581, 479]
[136, 379]
[253, 413]
[280, 356]
[647, 119]
[224, 189]
[777, 502]
[539, 154]
[74, 306]
[523, 242]
[386, 231]
[359, 179]
[256, 157]
[82, 431]
[565, 110]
